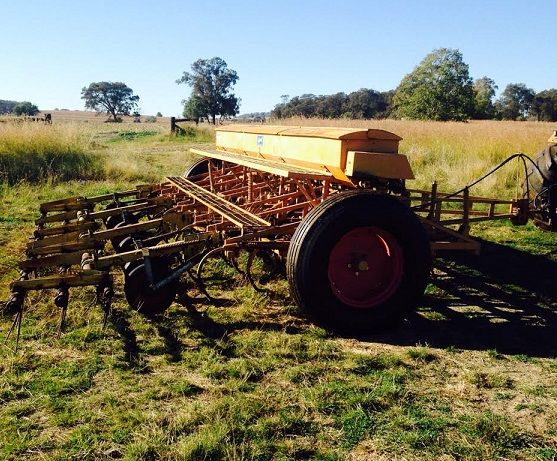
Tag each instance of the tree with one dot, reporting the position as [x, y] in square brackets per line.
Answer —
[159, 114]
[365, 103]
[194, 109]
[544, 105]
[387, 97]
[439, 88]
[515, 101]
[25, 108]
[484, 92]
[114, 98]
[7, 106]
[212, 83]
[331, 106]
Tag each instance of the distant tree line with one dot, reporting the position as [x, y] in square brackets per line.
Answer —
[439, 88]
[18, 108]
[254, 116]
[7, 107]
[364, 103]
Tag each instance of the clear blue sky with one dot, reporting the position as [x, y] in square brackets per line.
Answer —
[49, 50]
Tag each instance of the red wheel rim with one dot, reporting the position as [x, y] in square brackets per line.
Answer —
[365, 267]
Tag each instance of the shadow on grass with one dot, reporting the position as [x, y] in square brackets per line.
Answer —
[505, 299]
[213, 330]
[172, 343]
[121, 323]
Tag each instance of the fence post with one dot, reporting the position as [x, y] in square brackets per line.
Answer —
[172, 125]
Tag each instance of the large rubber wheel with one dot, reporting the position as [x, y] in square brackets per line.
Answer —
[359, 262]
[542, 186]
[140, 296]
[200, 166]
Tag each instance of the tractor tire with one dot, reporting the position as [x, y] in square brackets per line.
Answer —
[540, 187]
[359, 262]
[200, 166]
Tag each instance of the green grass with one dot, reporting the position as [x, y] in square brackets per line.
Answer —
[63, 152]
[471, 377]
[35, 153]
[133, 135]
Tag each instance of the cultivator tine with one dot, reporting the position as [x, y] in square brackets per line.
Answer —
[249, 275]
[14, 303]
[105, 294]
[61, 301]
[233, 260]
[17, 322]
[10, 331]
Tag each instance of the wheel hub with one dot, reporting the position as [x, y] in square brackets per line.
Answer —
[365, 267]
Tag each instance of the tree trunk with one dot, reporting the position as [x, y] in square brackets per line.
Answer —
[213, 117]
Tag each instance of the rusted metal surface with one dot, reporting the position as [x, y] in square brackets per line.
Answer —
[245, 200]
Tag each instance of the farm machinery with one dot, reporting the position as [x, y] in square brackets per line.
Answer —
[329, 205]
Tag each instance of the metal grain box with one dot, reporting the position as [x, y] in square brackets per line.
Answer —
[342, 151]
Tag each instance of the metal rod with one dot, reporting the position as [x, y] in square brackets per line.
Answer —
[186, 266]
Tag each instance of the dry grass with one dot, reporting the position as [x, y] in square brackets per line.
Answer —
[455, 153]
[470, 377]
[35, 152]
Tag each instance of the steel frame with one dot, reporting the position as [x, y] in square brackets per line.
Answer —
[231, 207]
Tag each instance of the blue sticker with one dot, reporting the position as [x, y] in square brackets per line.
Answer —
[259, 140]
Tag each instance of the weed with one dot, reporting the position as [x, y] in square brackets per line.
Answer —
[494, 430]
[421, 354]
[192, 133]
[492, 353]
[132, 135]
[490, 380]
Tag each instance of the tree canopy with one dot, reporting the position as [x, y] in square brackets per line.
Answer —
[25, 108]
[194, 109]
[114, 98]
[439, 88]
[212, 83]
[364, 103]
[515, 101]
[484, 92]
[544, 105]
[6, 106]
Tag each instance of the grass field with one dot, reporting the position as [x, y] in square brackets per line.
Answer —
[470, 376]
